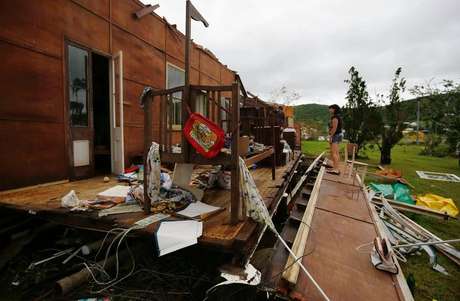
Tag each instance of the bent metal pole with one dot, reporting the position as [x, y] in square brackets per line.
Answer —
[428, 243]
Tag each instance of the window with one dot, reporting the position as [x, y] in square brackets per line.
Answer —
[78, 89]
[201, 104]
[225, 103]
[175, 77]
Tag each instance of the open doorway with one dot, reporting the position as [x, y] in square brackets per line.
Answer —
[101, 113]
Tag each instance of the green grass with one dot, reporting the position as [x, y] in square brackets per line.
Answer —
[429, 283]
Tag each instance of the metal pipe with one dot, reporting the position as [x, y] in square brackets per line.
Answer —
[429, 243]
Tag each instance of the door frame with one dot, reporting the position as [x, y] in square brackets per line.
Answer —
[68, 127]
[113, 112]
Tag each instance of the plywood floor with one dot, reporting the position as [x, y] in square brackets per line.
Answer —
[341, 223]
[46, 200]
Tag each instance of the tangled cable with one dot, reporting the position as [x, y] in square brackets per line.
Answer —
[121, 237]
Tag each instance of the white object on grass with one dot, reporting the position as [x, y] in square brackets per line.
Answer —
[438, 176]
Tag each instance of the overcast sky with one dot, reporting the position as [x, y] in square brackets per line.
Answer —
[309, 45]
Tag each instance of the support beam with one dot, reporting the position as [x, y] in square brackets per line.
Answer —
[147, 142]
[235, 185]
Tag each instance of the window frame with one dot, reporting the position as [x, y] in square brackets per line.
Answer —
[175, 126]
[202, 99]
[89, 87]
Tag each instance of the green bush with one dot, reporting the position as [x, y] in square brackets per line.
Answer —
[441, 150]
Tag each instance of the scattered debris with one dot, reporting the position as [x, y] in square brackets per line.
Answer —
[438, 176]
[381, 257]
[72, 201]
[408, 237]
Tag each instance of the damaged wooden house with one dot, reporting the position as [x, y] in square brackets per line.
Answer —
[71, 116]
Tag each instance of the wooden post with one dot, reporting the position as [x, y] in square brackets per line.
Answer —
[186, 93]
[235, 184]
[274, 154]
[147, 143]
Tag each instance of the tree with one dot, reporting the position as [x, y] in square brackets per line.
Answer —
[442, 112]
[360, 117]
[393, 118]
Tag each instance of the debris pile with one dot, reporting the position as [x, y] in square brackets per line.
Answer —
[44, 261]
[407, 237]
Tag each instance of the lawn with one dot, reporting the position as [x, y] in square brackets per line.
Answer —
[429, 283]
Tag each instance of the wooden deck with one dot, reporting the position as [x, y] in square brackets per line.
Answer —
[342, 221]
[45, 201]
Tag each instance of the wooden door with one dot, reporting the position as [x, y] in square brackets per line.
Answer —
[80, 111]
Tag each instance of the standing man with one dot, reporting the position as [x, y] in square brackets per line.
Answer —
[335, 137]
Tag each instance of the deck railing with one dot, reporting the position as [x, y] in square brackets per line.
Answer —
[222, 107]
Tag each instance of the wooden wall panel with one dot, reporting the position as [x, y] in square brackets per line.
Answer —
[227, 77]
[33, 153]
[31, 87]
[209, 66]
[141, 62]
[134, 143]
[175, 43]
[133, 113]
[150, 28]
[100, 7]
[206, 80]
[83, 27]
[194, 77]
[195, 56]
[36, 25]
[33, 102]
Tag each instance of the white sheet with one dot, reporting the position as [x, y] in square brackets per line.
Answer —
[197, 209]
[175, 235]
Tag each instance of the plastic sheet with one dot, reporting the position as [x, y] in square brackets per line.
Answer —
[396, 191]
[438, 203]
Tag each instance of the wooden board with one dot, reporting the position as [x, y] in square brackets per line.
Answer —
[341, 271]
[341, 222]
[335, 262]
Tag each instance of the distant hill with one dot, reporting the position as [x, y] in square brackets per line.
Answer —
[318, 115]
[312, 113]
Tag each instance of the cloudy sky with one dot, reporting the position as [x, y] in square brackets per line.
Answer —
[308, 46]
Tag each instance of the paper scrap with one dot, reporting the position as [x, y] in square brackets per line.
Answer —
[197, 209]
[175, 235]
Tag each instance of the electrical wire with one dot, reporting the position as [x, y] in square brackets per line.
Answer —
[120, 237]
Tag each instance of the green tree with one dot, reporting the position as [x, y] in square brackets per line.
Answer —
[360, 117]
[442, 112]
[393, 118]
